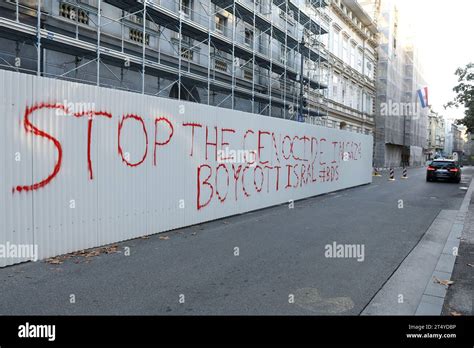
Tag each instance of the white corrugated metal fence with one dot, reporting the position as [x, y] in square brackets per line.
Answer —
[84, 166]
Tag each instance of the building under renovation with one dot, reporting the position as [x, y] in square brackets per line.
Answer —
[242, 54]
[401, 119]
[245, 54]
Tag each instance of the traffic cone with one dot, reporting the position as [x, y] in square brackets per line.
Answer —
[405, 173]
[392, 175]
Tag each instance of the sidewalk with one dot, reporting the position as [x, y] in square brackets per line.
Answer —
[419, 285]
[459, 297]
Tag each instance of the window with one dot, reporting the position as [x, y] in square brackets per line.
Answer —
[335, 42]
[185, 40]
[335, 83]
[186, 53]
[359, 60]
[368, 104]
[283, 53]
[186, 7]
[220, 65]
[359, 99]
[350, 96]
[443, 164]
[249, 37]
[345, 49]
[370, 69]
[137, 36]
[353, 49]
[73, 13]
[220, 23]
[248, 74]
[343, 100]
[288, 17]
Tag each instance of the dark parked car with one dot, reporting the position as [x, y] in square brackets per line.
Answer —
[444, 169]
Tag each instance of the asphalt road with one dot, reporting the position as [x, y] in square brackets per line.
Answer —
[281, 257]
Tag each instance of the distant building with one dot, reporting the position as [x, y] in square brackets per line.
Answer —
[435, 146]
[448, 144]
[459, 138]
[400, 118]
[456, 138]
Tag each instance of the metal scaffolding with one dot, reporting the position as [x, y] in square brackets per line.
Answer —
[269, 80]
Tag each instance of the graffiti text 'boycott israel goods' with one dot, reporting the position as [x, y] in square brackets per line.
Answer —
[279, 161]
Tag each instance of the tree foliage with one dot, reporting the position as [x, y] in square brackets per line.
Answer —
[465, 95]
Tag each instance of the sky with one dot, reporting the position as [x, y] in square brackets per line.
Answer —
[444, 35]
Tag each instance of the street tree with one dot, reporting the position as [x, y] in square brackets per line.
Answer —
[465, 96]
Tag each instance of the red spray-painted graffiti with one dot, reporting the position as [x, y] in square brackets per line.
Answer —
[312, 160]
[279, 161]
[91, 115]
[120, 151]
[30, 128]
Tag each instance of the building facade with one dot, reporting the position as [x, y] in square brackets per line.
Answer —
[435, 146]
[459, 138]
[351, 65]
[401, 122]
[307, 60]
[456, 138]
[241, 54]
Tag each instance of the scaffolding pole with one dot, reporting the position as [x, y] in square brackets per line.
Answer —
[98, 41]
[285, 59]
[180, 47]
[209, 54]
[253, 58]
[38, 39]
[144, 45]
[271, 67]
[234, 60]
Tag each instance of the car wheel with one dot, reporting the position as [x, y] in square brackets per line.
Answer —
[429, 179]
[457, 181]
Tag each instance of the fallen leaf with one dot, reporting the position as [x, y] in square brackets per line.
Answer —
[470, 265]
[111, 249]
[164, 237]
[193, 234]
[443, 282]
[54, 261]
[455, 314]
[92, 253]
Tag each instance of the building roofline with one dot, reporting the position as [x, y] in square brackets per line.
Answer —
[364, 17]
